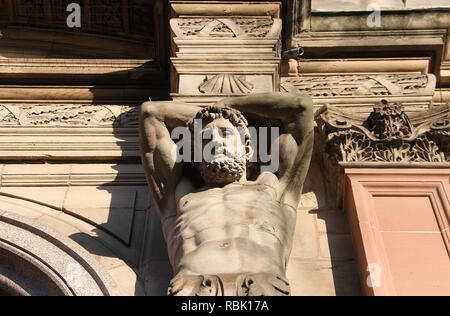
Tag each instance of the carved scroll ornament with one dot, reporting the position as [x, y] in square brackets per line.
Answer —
[265, 27]
[387, 135]
[361, 85]
[62, 115]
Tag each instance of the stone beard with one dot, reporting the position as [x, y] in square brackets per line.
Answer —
[233, 236]
[226, 164]
[221, 173]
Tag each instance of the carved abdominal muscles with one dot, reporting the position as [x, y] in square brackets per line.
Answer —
[228, 224]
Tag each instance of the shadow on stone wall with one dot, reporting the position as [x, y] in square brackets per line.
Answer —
[132, 231]
[334, 240]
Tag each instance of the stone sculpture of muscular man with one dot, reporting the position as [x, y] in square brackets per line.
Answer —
[228, 235]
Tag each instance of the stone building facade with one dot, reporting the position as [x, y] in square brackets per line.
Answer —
[76, 217]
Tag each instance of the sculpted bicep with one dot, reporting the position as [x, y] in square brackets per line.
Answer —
[287, 151]
[159, 160]
[165, 162]
[294, 165]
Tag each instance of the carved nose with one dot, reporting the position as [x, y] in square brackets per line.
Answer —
[217, 139]
[216, 134]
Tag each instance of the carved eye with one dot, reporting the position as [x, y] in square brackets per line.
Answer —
[228, 132]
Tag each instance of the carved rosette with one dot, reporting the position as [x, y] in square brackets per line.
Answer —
[387, 135]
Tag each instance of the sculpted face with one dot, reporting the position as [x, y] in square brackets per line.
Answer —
[224, 153]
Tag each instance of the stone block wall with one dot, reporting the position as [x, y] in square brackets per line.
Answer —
[323, 261]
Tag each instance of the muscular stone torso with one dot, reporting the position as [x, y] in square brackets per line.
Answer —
[238, 228]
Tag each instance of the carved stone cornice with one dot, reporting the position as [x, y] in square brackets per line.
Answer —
[388, 134]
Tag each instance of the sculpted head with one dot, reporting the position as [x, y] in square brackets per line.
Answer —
[226, 145]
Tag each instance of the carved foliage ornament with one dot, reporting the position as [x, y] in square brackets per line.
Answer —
[60, 115]
[357, 85]
[387, 135]
[265, 27]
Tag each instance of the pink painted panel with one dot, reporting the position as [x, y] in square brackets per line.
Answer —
[405, 213]
[400, 226]
[418, 262]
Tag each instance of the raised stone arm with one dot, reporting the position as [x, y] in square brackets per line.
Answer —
[163, 173]
[295, 115]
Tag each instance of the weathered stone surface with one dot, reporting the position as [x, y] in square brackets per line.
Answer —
[355, 5]
[305, 245]
[323, 278]
[336, 246]
[125, 278]
[413, 4]
[332, 222]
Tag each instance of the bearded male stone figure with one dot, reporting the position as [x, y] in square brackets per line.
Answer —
[229, 232]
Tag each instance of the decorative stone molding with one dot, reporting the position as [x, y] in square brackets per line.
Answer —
[386, 138]
[364, 66]
[225, 84]
[87, 71]
[236, 54]
[343, 27]
[68, 131]
[225, 8]
[387, 135]
[69, 143]
[239, 28]
[64, 115]
[38, 261]
[414, 91]
[121, 19]
[361, 85]
[79, 94]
